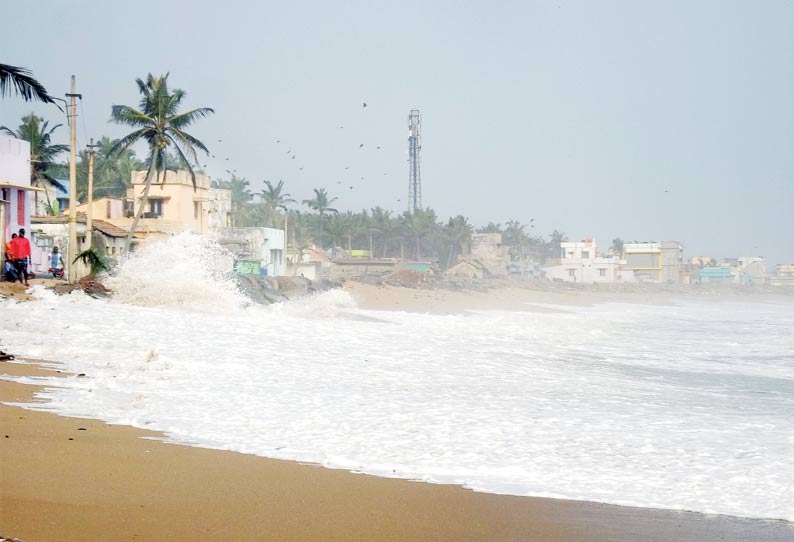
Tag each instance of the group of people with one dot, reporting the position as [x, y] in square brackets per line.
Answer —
[17, 259]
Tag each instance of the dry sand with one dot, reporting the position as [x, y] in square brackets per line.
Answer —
[68, 479]
[385, 297]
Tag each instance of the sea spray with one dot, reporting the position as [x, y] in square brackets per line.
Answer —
[185, 270]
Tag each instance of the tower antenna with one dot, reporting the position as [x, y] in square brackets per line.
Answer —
[414, 161]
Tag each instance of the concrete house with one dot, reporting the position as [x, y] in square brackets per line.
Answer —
[16, 193]
[581, 263]
[658, 261]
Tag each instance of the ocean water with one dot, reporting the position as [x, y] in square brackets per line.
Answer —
[688, 406]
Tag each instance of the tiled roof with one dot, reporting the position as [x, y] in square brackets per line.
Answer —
[109, 229]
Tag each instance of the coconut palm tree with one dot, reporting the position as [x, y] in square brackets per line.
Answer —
[36, 131]
[274, 198]
[457, 232]
[241, 195]
[553, 249]
[158, 122]
[321, 203]
[21, 81]
[490, 228]
[382, 223]
[418, 224]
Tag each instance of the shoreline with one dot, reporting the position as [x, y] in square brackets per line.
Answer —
[72, 479]
[525, 297]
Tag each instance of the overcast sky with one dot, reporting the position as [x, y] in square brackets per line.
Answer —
[646, 120]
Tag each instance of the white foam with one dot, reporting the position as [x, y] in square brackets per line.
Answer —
[686, 406]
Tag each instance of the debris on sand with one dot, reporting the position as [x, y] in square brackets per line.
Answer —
[90, 284]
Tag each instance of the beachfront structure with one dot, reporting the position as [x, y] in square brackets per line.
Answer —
[219, 207]
[751, 270]
[172, 198]
[659, 261]
[487, 248]
[16, 192]
[580, 262]
[173, 205]
[784, 276]
[256, 250]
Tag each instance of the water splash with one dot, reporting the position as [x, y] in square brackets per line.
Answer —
[185, 270]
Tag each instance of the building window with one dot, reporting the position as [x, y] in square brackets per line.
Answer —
[585, 254]
[107, 209]
[572, 273]
[196, 209]
[602, 272]
[44, 242]
[156, 207]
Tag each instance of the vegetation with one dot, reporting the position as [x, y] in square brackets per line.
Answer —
[94, 260]
[158, 122]
[321, 203]
[16, 80]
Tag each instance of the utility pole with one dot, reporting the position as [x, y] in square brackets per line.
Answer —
[89, 224]
[73, 248]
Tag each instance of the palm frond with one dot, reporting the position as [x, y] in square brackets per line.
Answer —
[21, 80]
[121, 145]
[124, 114]
[189, 117]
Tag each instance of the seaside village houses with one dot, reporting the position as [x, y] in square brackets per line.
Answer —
[175, 206]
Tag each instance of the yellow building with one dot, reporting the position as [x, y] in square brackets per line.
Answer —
[172, 198]
[102, 208]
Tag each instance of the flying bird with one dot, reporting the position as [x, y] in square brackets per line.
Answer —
[364, 104]
[351, 188]
[378, 147]
[220, 141]
[300, 169]
[293, 157]
[360, 145]
[278, 141]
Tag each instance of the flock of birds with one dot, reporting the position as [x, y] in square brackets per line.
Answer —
[290, 155]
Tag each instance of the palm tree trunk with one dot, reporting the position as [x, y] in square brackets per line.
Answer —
[418, 252]
[144, 201]
[321, 231]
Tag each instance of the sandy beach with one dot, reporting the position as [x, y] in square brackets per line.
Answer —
[70, 479]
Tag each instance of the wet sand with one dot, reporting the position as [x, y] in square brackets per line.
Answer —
[70, 479]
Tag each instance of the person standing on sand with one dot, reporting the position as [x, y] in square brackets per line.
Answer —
[9, 267]
[56, 262]
[21, 249]
[9, 249]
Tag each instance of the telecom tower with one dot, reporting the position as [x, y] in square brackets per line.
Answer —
[414, 162]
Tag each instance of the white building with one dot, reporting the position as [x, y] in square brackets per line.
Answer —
[751, 270]
[256, 250]
[580, 263]
[16, 199]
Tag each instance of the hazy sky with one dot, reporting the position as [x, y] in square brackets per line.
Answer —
[639, 119]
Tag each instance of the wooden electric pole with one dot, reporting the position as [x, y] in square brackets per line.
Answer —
[89, 224]
[74, 250]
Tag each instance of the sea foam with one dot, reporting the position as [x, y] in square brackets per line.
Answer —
[687, 406]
